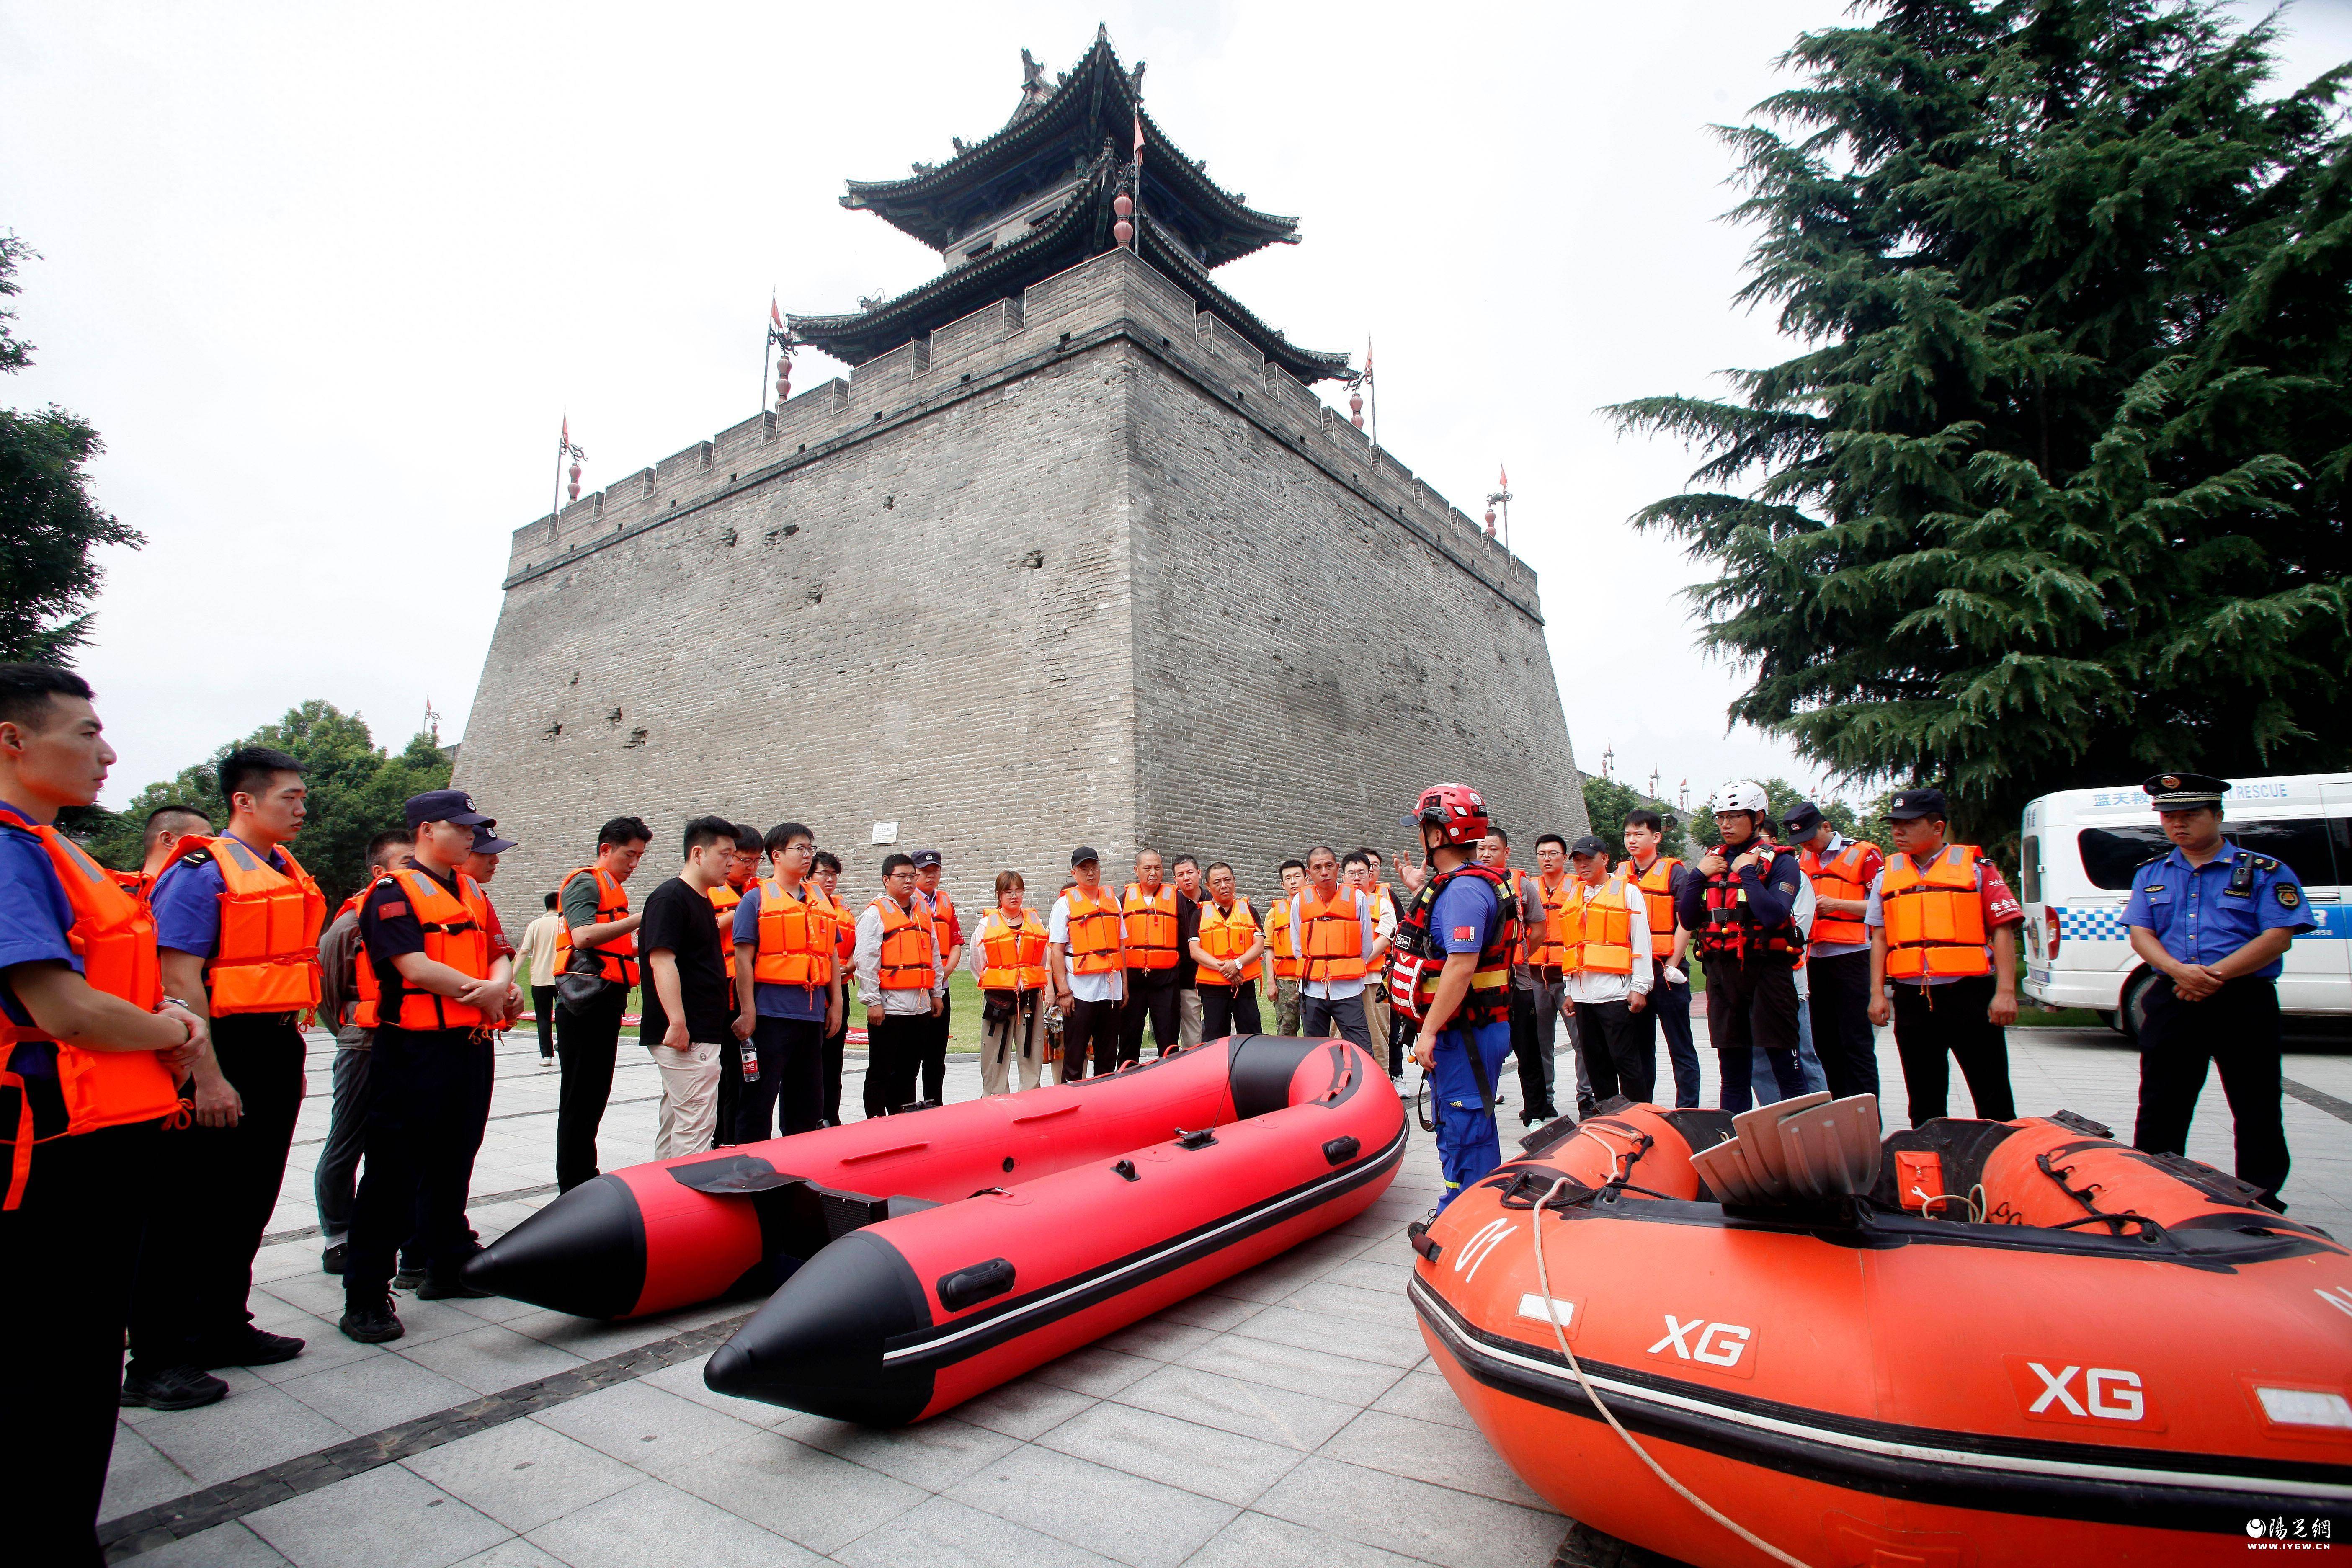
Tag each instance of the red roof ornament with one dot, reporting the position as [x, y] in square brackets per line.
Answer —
[1123, 231]
[1122, 204]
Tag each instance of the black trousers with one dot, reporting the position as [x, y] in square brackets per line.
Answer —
[791, 1077]
[1151, 993]
[70, 1248]
[214, 1190]
[1751, 1003]
[1842, 1037]
[935, 1051]
[894, 1060]
[1671, 1005]
[836, 1048]
[1620, 1049]
[1091, 1028]
[1931, 1021]
[430, 1097]
[1533, 1090]
[2237, 1030]
[1343, 1017]
[543, 1010]
[586, 1041]
[1229, 1010]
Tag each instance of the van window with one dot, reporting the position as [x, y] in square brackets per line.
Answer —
[2029, 867]
[2300, 842]
[2110, 855]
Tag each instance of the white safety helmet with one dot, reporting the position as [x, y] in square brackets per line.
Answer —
[1740, 794]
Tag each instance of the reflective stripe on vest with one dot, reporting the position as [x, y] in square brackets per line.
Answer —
[1840, 877]
[456, 930]
[1150, 927]
[1935, 919]
[1335, 937]
[114, 932]
[1548, 943]
[908, 959]
[266, 958]
[1488, 999]
[1093, 944]
[1657, 885]
[943, 918]
[1228, 936]
[617, 961]
[1731, 930]
[1278, 940]
[1014, 957]
[795, 943]
[1597, 933]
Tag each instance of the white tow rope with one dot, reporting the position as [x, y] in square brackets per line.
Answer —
[1543, 1283]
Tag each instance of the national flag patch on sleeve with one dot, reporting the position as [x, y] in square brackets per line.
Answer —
[1465, 933]
[387, 911]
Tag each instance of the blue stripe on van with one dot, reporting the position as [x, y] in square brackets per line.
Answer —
[2106, 924]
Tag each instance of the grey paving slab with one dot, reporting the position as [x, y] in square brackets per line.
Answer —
[1416, 1519]
[1024, 1407]
[1157, 1339]
[1095, 1371]
[515, 1554]
[1334, 1299]
[1289, 1323]
[1216, 1313]
[1256, 1540]
[383, 1391]
[522, 1474]
[1124, 1517]
[1426, 1395]
[253, 1427]
[1282, 1365]
[229, 1545]
[140, 1475]
[656, 1525]
[490, 1357]
[1212, 1462]
[1277, 1415]
[802, 1493]
[1371, 1273]
[933, 1454]
[685, 1379]
[944, 1533]
[388, 1518]
[643, 1426]
[1437, 1452]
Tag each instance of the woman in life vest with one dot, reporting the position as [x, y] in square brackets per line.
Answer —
[1008, 958]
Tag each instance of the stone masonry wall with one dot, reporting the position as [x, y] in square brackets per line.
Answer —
[988, 589]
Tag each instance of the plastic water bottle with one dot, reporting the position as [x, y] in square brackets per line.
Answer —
[751, 1062]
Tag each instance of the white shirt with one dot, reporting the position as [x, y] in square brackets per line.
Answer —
[1332, 990]
[868, 961]
[1110, 986]
[1591, 985]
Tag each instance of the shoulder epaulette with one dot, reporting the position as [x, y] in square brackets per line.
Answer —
[195, 857]
[2264, 863]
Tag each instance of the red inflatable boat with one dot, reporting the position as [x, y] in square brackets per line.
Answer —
[1979, 1343]
[924, 1257]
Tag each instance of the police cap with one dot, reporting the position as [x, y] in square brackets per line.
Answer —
[442, 805]
[2184, 792]
[1803, 819]
[1913, 804]
[487, 841]
[925, 858]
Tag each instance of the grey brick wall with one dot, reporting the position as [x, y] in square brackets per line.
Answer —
[1078, 568]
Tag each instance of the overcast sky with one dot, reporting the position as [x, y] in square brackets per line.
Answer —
[326, 278]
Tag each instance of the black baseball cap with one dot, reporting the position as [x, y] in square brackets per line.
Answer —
[1589, 845]
[1915, 803]
[1803, 819]
[1081, 855]
[442, 806]
[487, 841]
[923, 858]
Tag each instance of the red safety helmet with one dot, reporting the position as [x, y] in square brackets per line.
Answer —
[1460, 810]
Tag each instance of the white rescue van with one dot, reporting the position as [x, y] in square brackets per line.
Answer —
[2082, 846]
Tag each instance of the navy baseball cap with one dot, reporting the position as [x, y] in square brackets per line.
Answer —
[1589, 845]
[1803, 819]
[1913, 804]
[487, 841]
[1081, 855]
[926, 857]
[442, 806]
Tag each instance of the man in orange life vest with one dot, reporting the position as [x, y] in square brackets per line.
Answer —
[948, 930]
[901, 979]
[166, 826]
[236, 925]
[1230, 952]
[1837, 959]
[1086, 960]
[598, 950]
[335, 1184]
[824, 877]
[1546, 968]
[1606, 953]
[788, 990]
[1661, 878]
[1154, 914]
[1336, 937]
[90, 1051]
[1741, 909]
[1185, 872]
[1943, 942]
[439, 988]
[1282, 949]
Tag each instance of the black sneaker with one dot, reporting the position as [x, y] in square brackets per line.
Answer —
[1586, 1109]
[408, 1278]
[331, 1260]
[446, 1286]
[370, 1323]
[181, 1387]
[255, 1347]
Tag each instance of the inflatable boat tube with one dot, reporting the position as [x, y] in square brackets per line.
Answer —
[2000, 1344]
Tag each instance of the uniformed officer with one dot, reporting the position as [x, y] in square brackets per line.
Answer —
[2214, 923]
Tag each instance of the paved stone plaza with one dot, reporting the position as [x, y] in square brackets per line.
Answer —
[1289, 1417]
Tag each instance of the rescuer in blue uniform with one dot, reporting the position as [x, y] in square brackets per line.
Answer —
[2214, 922]
[1452, 973]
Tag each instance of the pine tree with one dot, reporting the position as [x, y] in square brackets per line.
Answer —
[2056, 493]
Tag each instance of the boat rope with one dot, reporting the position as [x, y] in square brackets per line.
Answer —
[1543, 1283]
[1974, 1198]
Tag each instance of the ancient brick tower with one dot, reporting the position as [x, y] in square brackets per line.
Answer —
[1072, 556]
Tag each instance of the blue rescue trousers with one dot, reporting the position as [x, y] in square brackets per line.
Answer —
[1468, 1146]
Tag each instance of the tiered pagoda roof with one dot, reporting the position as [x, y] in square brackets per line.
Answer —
[1035, 199]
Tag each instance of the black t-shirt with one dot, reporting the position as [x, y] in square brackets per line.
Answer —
[681, 920]
[1188, 926]
[389, 928]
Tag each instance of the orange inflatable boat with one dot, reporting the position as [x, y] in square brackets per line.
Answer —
[1776, 1338]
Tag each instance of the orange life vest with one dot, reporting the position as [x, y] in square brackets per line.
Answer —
[1152, 927]
[1335, 936]
[1279, 941]
[909, 959]
[723, 899]
[1597, 933]
[1548, 944]
[456, 930]
[1839, 877]
[114, 933]
[1014, 957]
[1228, 936]
[617, 961]
[943, 918]
[1093, 944]
[1657, 885]
[364, 989]
[796, 936]
[1935, 918]
[266, 959]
